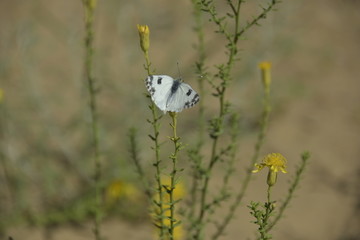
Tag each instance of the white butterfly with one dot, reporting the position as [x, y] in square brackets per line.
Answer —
[170, 94]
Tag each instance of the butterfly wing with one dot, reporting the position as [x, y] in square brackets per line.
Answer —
[183, 97]
[159, 87]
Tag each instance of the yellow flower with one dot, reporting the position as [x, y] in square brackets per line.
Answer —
[144, 34]
[119, 189]
[265, 65]
[275, 162]
[265, 68]
[90, 3]
[93, 3]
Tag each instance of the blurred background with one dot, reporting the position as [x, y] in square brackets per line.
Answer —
[46, 160]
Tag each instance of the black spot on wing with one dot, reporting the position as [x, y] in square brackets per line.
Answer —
[159, 80]
[192, 102]
[189, 92]
[149, 84]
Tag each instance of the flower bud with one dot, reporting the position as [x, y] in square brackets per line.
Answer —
[93, 3]
[144, 34]
[265, 68]
[271, 178]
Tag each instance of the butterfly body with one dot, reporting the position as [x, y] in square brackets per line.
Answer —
[170, 95]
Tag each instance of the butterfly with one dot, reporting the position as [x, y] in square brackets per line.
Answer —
[170, 95]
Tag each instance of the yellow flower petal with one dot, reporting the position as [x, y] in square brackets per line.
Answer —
[274, 161]
[258, 167]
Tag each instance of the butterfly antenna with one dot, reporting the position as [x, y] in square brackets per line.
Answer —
[177, 64]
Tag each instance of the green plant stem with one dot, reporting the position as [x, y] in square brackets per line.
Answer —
[224, 75]
[89, 39]
[155, 137]
[157, 162]
[175, 139]
[268, 194]
[262, 15]
[260, 140]
[147, 63]
[265, 218]
[293, 186]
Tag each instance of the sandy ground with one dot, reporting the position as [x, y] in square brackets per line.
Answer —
[320, 59]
